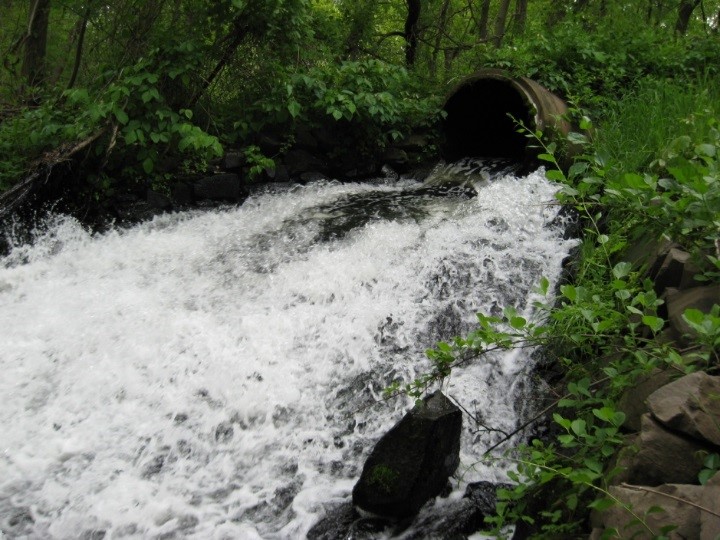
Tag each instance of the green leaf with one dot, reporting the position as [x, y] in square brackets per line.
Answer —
[578, 426]
[121, 115]
[693, 316]
[602, 504]
[655, 323]
[705, 475]
[148, 165]
[294, 108]
[706, 150]
[622, 269]
[517, 323]
[547, 157]
[555, 175]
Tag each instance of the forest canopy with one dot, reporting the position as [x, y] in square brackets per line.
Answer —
[150, 80]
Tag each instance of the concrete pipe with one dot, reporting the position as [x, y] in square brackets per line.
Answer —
[482, 112]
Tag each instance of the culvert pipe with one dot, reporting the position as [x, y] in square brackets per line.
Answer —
[482, 113]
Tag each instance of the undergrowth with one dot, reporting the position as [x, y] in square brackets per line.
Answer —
[601, 327]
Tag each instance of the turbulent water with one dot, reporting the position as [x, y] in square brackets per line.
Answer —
[212, 375]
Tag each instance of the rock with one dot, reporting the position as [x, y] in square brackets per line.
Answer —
[182, 193]
[413, 143]
[279, 173]
[225, 187]
[689, 520]
[677, 301]
[396, 158]
[676, 271]
[298, 161]
[649, 253]
[305, 140]
[158, 200]
[233, 160]
[460, 518]
[633, 401]
[343, 521]
[664, 457]
[412, 462]
[690, 405]
[308, 177]
[270, 144]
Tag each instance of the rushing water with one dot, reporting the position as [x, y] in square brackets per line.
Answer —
[211, 375]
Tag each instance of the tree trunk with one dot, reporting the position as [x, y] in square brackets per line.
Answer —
[520, 17]
[33, 66]
[685, 11]
[442, 24]
[411, 31]
[235, 38]
[484, 20]
[78, 50]
[500, 23]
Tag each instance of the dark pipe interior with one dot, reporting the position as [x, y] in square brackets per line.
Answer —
[478, 125]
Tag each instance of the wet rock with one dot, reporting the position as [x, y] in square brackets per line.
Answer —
[311, 176]
[460, 518]
[158, 200]
[299, 161]
[233, 160]
[396, 158]
[344, 522]
[412, 462]
[219, 187]
[413, 143]
[690, 405]
[278, 174]
[182, 193]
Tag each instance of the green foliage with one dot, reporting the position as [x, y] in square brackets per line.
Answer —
[136, 102]
[375, 101]
[711, 465]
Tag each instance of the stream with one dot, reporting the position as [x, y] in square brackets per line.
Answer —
[220, 374]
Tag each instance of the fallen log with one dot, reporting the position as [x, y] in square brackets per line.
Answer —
[41, 170]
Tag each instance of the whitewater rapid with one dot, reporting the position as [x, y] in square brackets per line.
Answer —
[212, 375]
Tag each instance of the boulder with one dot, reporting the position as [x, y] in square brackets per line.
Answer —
[233, 160]
[343, 521]
[664, 457]
[677, 301]
[412, 462]
[396, 158]
[675, 270]
[158, 200]
[694, 516]
[633, 400]
[690, 405]
[305, 139]
[298, 161]
[182, 193]
[413, 143]
[224, 187]
[459, 518]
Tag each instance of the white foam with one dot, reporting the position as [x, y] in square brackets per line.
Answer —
[199, 374]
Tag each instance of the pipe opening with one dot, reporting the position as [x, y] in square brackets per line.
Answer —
[479, 123]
